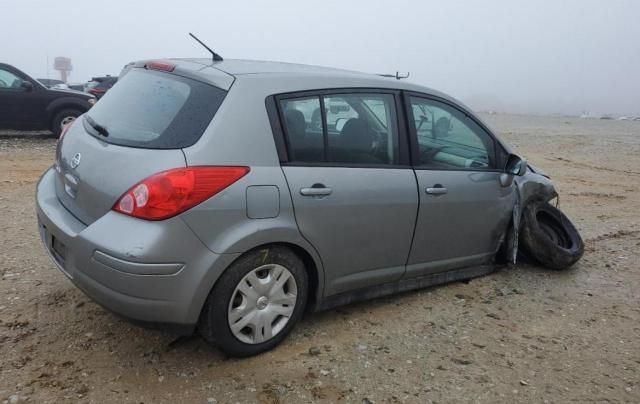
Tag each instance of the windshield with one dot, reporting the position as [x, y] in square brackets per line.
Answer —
[154, 110]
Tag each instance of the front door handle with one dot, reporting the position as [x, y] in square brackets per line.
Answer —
[316, 190]
[437, 189]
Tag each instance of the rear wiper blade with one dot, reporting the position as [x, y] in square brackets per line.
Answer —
[98, 128]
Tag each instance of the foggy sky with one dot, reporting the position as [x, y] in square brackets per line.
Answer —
[547, 56]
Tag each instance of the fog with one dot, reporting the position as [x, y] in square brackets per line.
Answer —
[540, 57]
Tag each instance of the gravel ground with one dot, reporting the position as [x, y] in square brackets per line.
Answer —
[524, 334]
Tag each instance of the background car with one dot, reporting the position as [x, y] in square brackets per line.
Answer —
[77, 86]
[61, 85]
[98, 86]
[50, 82]
[26, 104]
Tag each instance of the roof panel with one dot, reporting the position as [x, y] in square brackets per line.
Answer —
[239, 66]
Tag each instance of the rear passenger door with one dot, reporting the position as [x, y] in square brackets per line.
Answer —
[464, 209]
[353, 191]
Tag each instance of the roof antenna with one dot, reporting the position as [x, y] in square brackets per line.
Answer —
[215, 56]
[396, 76]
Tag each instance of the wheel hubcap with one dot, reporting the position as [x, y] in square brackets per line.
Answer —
[67, 120]
[262, 303]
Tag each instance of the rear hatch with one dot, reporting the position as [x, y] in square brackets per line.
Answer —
[136, 130]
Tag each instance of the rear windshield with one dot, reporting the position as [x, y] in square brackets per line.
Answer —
[154, 110]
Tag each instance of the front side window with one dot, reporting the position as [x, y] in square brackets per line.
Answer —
[358, 128]
[448, 138]
[9, 81]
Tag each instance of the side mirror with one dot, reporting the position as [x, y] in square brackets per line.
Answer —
[27, 85]
[516, 165]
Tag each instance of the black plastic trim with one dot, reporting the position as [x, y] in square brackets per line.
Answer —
[276, 129]
[344, 165]
[325, 130]
[404, 285]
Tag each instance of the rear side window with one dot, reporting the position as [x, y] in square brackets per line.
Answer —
[155, 110]
[358, 128]
[303, 122]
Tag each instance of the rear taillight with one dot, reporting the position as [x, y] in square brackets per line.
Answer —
[172, 192]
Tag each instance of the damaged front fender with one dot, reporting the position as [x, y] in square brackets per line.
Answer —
[533, 186]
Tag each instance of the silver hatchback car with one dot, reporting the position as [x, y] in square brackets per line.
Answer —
[229, 196]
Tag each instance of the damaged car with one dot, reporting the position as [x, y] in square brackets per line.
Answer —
[228, 197]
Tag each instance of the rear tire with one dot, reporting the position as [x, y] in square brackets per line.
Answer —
[248, 312]
[550, 237]
[62, 118]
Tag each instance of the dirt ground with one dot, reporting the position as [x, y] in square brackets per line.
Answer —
[519, 335]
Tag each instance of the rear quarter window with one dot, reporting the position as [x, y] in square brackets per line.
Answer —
[155, 110]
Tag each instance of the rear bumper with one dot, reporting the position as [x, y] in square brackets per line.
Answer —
[154, 273]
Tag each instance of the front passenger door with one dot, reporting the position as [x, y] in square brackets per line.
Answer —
[464, 209]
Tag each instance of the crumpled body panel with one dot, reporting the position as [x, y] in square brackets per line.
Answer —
[534, 186]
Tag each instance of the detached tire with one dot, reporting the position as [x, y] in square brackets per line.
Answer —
[256, 302]
[550, 237]
[62, 118]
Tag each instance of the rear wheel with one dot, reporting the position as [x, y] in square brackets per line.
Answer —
[550, 237]
[256, 302]
[63, 118]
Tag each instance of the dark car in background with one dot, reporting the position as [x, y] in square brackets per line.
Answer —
[50, 82]
[27, 104]
[61, 85]
[98, 86]
[77, 86]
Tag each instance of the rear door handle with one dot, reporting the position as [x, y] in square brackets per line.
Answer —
[316, 190]
[436, 190]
